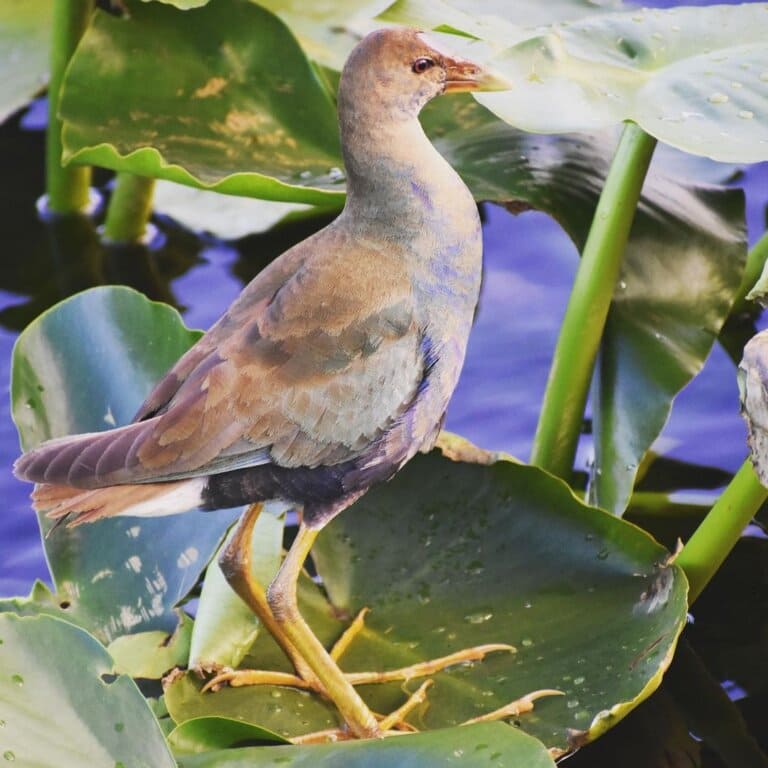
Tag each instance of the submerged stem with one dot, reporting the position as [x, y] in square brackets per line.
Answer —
[557, 434]
[718, 533]
[67, 188]
[129, 208]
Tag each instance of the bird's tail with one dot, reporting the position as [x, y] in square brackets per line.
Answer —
[76, 506]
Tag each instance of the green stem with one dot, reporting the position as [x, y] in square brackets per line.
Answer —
[756, 259]
[557, 434]
[67, 188]
[129, 208]
[718, 533]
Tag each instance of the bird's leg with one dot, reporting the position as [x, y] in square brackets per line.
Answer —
[235, 562]
[281, 597]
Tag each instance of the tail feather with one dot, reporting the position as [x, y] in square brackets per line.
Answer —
[87, 460]
[145, 500]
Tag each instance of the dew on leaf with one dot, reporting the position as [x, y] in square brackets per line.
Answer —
[745, 114]
[478, 618]
[17, 680]
[718, 98]
[9, 756]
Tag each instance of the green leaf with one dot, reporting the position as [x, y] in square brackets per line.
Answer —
[452, 554]
[695, 78]
[61, 704]
[225, 627]
[152, 654]
[204, 734]
[662, 323]
[224, 216]
[493, 743]
[497, 20]
[234, 103]
[86, 365]
[328, 31]
[25, 32]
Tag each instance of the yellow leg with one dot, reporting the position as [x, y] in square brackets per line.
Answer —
[281, 597]
[235, 562]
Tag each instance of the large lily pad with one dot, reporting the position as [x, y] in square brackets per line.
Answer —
[25, 30]
[61, 703]
[695, 78]
[86, 365]
[232, 99]
[452, 554]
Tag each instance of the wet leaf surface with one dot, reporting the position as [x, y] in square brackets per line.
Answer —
[85, 366]
[478, 745]
[233, 98]
[450, 555]
[62, 704]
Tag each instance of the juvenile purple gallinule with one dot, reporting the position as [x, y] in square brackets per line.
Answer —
[330, 371]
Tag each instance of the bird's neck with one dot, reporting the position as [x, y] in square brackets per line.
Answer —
[395, 174]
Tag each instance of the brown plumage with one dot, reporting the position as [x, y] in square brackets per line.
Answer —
[336, 361]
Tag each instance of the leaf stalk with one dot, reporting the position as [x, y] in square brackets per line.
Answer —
[718, 533]
[565, 398]
[67, 188]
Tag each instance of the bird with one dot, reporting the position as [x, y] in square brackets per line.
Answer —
[331, 369]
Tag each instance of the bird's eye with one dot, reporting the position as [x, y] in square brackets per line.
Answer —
[422, 65]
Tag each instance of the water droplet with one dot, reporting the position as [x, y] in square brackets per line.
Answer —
[17, 680]
[305, 174]
[745, 114]
[718, 98]
[736, 84]
[638, 18]
[602, 554]
[623, 285]
[657, 36]
[119, 727]
[578, 680]
[572, 704]
[527, 604]
[9, 756]
[675, 28]
[526, 642]
[458, 752]
[478, 618]
[335, 174]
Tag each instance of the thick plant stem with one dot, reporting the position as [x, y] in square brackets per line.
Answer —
[756, 259]
[557, 434]
[718, 533]
[129, 208]
[67, 188]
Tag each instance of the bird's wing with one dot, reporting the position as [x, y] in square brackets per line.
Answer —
[309, 366]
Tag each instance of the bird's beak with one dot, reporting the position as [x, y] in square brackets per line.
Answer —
[463, 75]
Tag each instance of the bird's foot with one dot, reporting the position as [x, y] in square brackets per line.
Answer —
[243, 677]
[420, 669]
[393, 724]
[514, 708]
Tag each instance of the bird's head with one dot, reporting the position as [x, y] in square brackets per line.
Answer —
[401, 69]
